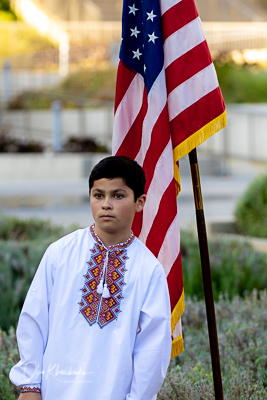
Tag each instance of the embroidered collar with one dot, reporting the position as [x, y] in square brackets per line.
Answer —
[115, 246]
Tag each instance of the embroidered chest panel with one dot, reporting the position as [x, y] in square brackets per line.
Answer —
[93, 306]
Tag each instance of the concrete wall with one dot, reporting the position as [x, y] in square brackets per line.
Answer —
[38, 125]
[47, 166]
[245, 137]
[20, 81]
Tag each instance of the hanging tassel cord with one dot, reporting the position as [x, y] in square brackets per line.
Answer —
[102, 288]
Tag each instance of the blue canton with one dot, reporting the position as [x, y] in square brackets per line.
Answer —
[142, 45]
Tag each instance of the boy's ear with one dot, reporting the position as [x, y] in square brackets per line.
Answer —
[140, 202]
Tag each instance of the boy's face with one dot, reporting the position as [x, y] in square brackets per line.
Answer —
[113, 208]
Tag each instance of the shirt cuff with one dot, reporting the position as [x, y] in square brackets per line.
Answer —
[36, 388]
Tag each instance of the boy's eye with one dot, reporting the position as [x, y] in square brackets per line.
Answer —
[118, 196]
[98, 196]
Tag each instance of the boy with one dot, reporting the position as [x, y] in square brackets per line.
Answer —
[96, 320]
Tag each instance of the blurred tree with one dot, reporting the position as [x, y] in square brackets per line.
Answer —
[5, 5]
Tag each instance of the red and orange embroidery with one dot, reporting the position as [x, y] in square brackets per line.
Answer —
[93, 306]
[26, 389]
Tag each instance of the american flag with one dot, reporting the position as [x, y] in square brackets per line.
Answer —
[167, 102]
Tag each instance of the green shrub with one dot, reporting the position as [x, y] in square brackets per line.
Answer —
[242, 83]
[236, 268]
[251, 209]
[242, 336]
[9, 356]
[241, 323]
[22, 245]
[5, 5]
[10, 144]
[18, 263]
[83, 144]
[14, 228]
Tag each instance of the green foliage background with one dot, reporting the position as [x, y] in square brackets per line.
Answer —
[22, 245]
[242, 83]
[242, 334]
[93, 87]
[239, 84]
[6, 13]
[236, 267]
[251, 209]
[241, 325]
[239, 275]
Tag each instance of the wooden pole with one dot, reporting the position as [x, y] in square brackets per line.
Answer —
[206, 276]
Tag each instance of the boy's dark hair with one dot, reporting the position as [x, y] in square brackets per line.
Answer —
[120, 167]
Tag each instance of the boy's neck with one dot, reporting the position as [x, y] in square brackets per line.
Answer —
[110, 238]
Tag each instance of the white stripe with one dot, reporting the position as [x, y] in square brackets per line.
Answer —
[156, 100]
[163, 175]
[170, 247]
[177, 330]
[127, 111]
[190, 91]
[165, 5]
[183, 40]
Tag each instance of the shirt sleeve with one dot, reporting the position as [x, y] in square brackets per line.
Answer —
[32, 330]
[152, 350]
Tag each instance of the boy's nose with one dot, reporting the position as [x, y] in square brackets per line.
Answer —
[106, 204]
[106, 207]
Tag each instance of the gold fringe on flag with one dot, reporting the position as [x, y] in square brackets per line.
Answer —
[177, 346]
[177, 312]
[199, 137]
[177, 343]
[177, 179]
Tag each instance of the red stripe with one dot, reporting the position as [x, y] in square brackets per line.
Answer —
[164, 218]
[132, 141]
[125, 75]
[187, 66]
[175, 281]
[137, 223]
[160, 137]
[196, 116]
[178, 16]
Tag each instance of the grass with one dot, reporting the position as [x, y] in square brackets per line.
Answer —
[239, 84]
[24, 41]
[83, 88]
[242, 84]
[21, 41]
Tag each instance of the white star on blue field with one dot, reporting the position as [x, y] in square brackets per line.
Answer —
[142, 46]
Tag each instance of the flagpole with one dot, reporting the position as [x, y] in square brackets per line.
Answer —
[206, 276]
